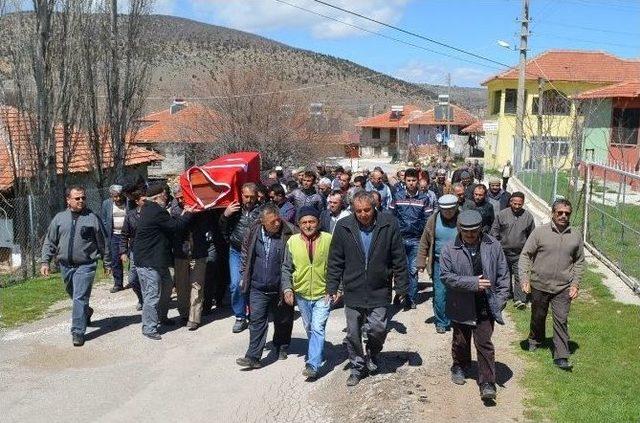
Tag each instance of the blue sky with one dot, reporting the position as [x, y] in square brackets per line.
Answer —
[474, 25]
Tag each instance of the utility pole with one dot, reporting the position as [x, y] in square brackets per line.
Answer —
[448, 106]
[524, 35]
[538, 154]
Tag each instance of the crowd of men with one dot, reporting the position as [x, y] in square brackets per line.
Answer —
[319, 240]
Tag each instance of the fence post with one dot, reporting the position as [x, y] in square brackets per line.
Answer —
[32, 247]
[555, 185]
[587, 195]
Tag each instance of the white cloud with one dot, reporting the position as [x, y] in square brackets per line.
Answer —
[421, 72]
[263, 15]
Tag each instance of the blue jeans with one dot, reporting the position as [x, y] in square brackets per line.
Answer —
[116, 263]
[156, 290]
[439, 297]
[238, 299]
[78, 282]
[411, 248]
[314, 316]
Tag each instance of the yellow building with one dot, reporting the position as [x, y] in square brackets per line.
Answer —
[558, 75]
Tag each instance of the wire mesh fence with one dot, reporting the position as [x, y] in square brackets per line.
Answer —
[606, 204]
[23, 224]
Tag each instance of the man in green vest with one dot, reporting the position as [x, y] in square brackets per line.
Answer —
[304, 280]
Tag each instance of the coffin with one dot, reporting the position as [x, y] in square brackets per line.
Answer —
[219, 182]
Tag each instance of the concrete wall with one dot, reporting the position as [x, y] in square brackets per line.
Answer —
[597, 130]
[379, 147]
[174, 161]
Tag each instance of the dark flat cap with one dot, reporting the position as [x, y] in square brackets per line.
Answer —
[155, 189]
[308, 211]
[469, 220]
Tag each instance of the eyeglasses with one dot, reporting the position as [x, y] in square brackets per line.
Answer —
[563, 213]
[79, 198]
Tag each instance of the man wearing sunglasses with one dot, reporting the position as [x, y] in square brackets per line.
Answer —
[551, 266]
[76, 238]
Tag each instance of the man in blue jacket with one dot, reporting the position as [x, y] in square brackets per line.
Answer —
[475, 271]
[412, 208]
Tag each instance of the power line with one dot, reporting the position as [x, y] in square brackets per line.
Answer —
[398, 40]
[581, 40]
[587, 28]
[413, 34]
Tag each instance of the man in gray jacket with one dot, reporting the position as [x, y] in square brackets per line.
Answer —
[551, 267]
[76, 238]
[475, 272]
[512, 227]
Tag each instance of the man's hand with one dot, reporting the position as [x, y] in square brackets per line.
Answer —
[232, 208]
[334, 298]
[573, 292]
[526, 287]
[44, 270]
[124, 258]
[189, 209]
[402, 298]
[288, 297]
[483, 283]
[107, 271]
[421, 269]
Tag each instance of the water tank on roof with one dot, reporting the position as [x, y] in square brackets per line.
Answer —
[177, 105]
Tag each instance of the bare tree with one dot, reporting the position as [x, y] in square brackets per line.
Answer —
[251, 110]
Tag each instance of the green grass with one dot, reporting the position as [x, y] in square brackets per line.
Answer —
[603, 386]
[29, 300]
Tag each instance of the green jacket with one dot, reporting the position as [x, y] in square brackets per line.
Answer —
[306, 278]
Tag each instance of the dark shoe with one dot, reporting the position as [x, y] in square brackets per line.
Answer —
[89, 314]
[457, 375]
[563, 363]
[408, 305]
[248, 363]
[353, 380]
[373, 364]
[167, 322]
[78, 340]
[139, 307]
[309, 373]
[154, 336]
[396, 300]
[240, 325]
[115, 289]
[192, 326]
[520, 305]
[183, 321]
[282, 353]
[487, 391]
[127, 286]
[440, 329]
[532, 347]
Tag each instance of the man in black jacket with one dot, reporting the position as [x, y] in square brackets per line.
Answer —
[234, 224]
[482, 206]
[152, 252]
[366, 254]
[126, 243]
[263, 252]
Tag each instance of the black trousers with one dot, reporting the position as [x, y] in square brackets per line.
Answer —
[560, 304]
[461, 348]
[374, 322]
[260, 305]
[505, 181]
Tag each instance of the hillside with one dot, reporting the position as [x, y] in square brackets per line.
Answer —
[189, 54]
[473, 99]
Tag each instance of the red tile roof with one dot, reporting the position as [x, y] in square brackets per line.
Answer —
[474, 128]
[16, 136]
[384, 120]
[461, 117]
[190, 125]
[626, 89]
[575, 65]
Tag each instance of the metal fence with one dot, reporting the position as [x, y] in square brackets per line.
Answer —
[606, 203]
[23, 225]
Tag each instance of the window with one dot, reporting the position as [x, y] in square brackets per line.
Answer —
[375, 133]
[624, 126]
[553, 103]
[495, 105]
[550, 147]
[510, 100]
[534, 105]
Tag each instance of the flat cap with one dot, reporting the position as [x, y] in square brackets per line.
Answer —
[469, 220]
[494, 180]
[448, 201]
[465, 174]
[441, 171]
[155, 189]
[307, 211]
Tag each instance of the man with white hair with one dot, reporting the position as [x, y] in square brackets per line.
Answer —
[152, 252]
[113, 212]
[324, 189]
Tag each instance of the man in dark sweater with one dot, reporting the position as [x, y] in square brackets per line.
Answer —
[307, 195]
[263, 253]
[512, 227]
[482, 206]
[76, 238]
[234, 224]
[152, 252]
[366, 255]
